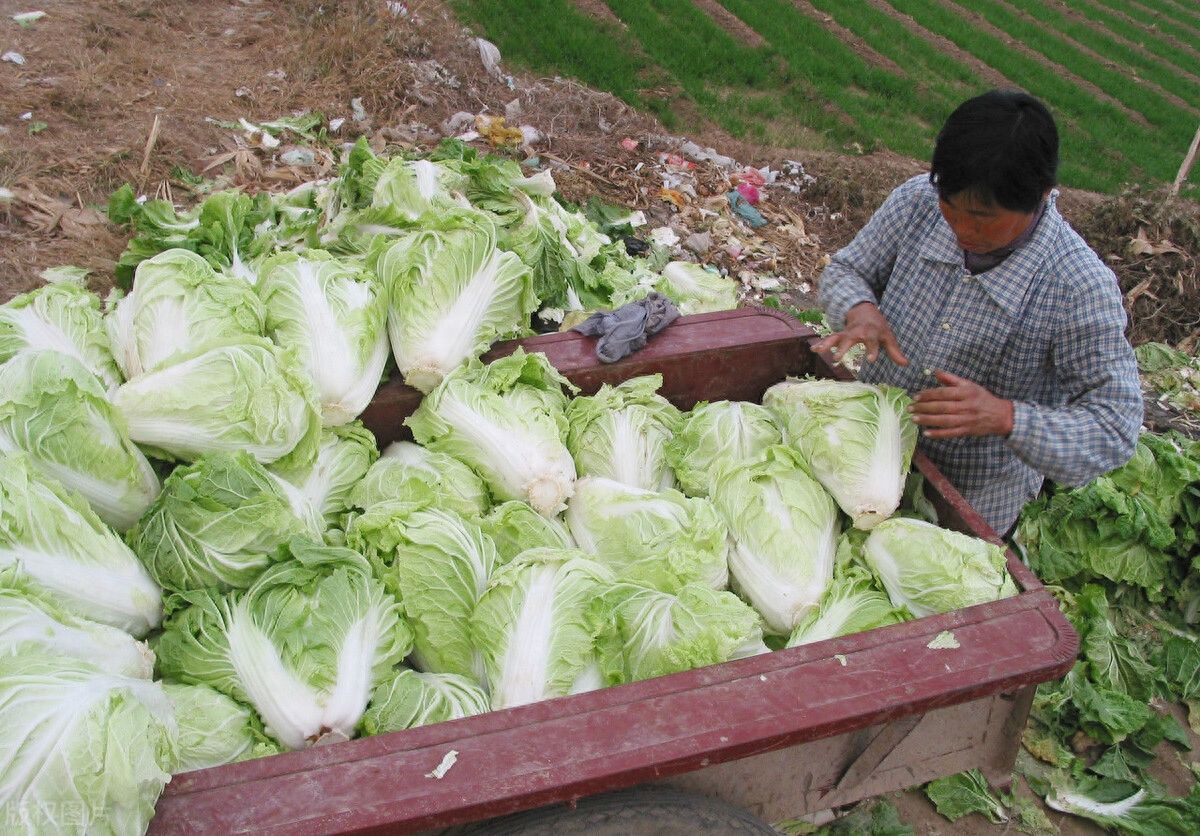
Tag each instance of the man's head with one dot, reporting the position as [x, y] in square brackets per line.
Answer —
[995, 160]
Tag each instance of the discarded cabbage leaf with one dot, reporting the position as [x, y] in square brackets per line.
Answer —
[219, 523]
[247, 396]
[334, 313]
[304, 646]
[851, 604]
[856, 438]
[438, 564]
[784, 529]
[622, 432]
[82, 750]
[932, 570]
[660, 633]
[506, 421]
[661, 539]
[406, 472]
[178, 304]
[695, 290]
[533, 630]
[56, 411]
[410, 699]
[63, 317]
[30, 614]
[715, 435]
[64, 548]
[452, 294]
[214, 729]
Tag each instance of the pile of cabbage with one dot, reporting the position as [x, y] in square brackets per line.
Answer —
[204, 556]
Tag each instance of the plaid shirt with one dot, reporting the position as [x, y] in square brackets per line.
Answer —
[1044, 329]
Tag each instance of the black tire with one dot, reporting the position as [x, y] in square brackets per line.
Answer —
[638, 811]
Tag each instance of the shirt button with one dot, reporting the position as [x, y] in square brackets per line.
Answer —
[945, 326]
[927, 372]
[966, 278]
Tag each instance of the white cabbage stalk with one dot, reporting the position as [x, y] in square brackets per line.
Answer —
[622, 433]
[784, 530]
[178, 303]
[856, 438]
[452, 294]
[63, 548]
[505, 428]
[533, 629]
[334, 314]
[247, 395]
[82, 751]
[31, 615]
[63, 317]
[305, 645]
[715, 435]
[55, 410]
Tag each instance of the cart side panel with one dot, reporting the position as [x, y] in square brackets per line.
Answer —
[775, 786]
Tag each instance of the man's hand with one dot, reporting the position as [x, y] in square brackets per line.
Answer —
[960, 408]
[864, 324]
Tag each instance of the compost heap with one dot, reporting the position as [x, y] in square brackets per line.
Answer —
[205, 558]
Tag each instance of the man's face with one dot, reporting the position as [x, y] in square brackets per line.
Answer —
[982, 227]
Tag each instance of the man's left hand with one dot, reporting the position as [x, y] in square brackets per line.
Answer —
[960, 408]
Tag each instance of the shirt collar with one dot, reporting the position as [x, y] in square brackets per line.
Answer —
[1008, 282]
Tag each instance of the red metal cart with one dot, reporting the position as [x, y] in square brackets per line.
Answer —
[781, 735]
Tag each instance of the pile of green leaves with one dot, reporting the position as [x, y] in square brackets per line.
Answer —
[1173, 373]
[1121, 553]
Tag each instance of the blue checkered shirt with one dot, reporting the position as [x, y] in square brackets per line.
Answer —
[1044, 329]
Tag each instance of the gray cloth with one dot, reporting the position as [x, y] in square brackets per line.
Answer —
[626, 329]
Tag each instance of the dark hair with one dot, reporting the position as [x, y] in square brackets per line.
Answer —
[1001, 148]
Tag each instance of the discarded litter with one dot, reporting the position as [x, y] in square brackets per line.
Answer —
[298, 157]
[448, 760]
[739, 204]
[750, 192]
[13, 58]
[27, 19]
[944, 641]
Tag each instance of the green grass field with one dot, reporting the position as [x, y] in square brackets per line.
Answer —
[1122, 78]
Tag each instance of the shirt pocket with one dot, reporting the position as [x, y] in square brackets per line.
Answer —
[1024, 364]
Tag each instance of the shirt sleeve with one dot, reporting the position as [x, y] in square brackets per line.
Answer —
[1097, 429]
[859, 271]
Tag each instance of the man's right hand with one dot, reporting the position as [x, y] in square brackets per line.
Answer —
[865, 324]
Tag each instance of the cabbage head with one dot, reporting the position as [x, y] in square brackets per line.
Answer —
[660, 539]
[179, 303]
[507, 422]
[410, 699]
[344, 456]
[452, 294]
[56, 411]
[439, 565]
[515, 527]
[64, 549]
[219, 522]
[82, 750]
[213, 729]
[696, 290]
[334, 313]
[715, 435]
[533, 627]
[666, 632]
[932, 570]
[856, 438]
[246, 395]
[411, 188]
[784, 528]
[64, 317]
[304, 646]
[29, 614]
[622, 433]
[852, 604]
[406, 472]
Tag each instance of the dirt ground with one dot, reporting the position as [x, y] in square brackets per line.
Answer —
[115, 91]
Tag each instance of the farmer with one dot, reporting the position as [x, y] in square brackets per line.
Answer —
[968, 289]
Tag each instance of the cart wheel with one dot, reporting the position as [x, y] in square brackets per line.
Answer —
[638, 811]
